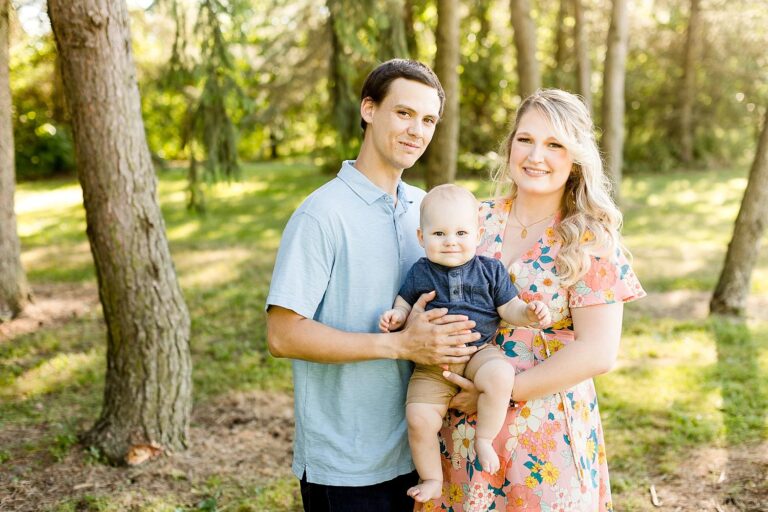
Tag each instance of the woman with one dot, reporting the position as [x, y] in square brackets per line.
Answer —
[557, 232]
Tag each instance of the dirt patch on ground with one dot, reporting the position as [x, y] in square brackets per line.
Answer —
[53, 304]
[718, 480]
[242, 438]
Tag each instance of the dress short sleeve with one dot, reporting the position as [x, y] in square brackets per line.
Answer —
[608, 280]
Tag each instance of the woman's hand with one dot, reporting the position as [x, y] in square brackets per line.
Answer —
[466, 399]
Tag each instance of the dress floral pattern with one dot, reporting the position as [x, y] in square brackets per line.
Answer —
[551, 449]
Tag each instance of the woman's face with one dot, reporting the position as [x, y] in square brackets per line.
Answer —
[539, 164]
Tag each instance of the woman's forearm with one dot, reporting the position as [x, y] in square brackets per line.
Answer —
[593, 352]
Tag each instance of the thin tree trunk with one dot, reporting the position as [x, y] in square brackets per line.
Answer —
[528, 74]
[688, 85]
[441, 166]
[613, 94]
[393, 43]
[344, 104]
[732, 288]
[583, 65]
[147, 395]
[14, 291]
[410, 30]
[561, 45]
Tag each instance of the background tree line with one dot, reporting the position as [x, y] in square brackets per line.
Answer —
[285, 75]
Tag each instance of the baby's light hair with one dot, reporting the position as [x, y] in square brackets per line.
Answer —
[456, 195]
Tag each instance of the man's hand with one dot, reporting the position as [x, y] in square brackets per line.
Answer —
[466, 399]
[435, 337]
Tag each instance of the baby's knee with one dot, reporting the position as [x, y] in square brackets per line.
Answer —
[424, 417]
[499, 375]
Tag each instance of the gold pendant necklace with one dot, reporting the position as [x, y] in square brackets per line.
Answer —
[524, 231]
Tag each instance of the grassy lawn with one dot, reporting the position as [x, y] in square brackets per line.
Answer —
[683, 383]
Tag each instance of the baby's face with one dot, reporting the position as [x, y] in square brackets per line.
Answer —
[449, 232]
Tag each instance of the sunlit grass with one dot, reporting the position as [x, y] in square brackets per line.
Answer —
[680, 383]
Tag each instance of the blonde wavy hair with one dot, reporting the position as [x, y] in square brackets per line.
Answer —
[590, 220]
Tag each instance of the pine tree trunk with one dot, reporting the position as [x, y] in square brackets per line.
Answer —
[561, 45]
[688, 85]
[393, 42]
[14, 292]
[147, 395]
[528, 74]
[613, 94]
[345, 115]
[583, 66]
[444, 150]
[730, 297]
[410, 30]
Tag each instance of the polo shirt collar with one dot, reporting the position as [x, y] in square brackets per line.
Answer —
[365, 189]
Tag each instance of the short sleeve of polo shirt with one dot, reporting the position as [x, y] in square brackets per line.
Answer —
[409, 291]
[303, 266]
[503, 289]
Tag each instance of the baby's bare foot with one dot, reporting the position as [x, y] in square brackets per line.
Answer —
[426, 490]
[487, 455]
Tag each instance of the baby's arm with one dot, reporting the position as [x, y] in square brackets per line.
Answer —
[393, 319]
[517, 312]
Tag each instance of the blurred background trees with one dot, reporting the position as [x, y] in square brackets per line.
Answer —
[230, 80]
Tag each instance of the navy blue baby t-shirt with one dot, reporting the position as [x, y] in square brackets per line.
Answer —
[474, 289]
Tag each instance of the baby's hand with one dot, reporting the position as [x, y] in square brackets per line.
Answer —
[391, 320]
[538, 312]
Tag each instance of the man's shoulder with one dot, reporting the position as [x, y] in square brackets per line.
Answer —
[325, 199]
[413, 192]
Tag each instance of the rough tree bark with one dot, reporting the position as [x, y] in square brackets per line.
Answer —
[14, 291]
[730, 297]
[688, 83]
[528, 74]
[583, 65]
[147, 395]
[444, 150]
[613, 94]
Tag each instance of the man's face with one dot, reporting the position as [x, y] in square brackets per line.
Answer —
[401, 126]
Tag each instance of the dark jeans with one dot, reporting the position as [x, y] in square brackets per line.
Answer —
[384, 497]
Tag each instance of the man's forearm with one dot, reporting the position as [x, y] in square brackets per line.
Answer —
[293, 336]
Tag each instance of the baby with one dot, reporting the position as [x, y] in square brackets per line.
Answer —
[480, 288]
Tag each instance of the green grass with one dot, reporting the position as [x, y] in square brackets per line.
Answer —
[681, 383]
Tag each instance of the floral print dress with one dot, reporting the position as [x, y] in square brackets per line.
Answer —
[551, 449]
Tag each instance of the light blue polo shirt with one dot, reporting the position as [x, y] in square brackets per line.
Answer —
[342, 259]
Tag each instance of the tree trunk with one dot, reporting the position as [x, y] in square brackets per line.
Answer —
[732, 289]
[14, 292]
[613, 94]
[444, 151]
[147, 395]
[583, 66]
[345, 106]
[688, 85]
[393, 43]
[561, 45]
[528, 75]
[410, 30]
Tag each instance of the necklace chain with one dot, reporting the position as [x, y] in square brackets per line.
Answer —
[524, 231]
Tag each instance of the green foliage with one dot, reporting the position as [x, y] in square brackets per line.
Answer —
[42, 139]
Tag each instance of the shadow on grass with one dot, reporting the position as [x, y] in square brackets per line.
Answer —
[743, 384]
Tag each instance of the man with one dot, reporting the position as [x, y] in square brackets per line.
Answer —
[342, 259]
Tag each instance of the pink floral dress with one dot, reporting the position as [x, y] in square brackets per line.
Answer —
[551, 449]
